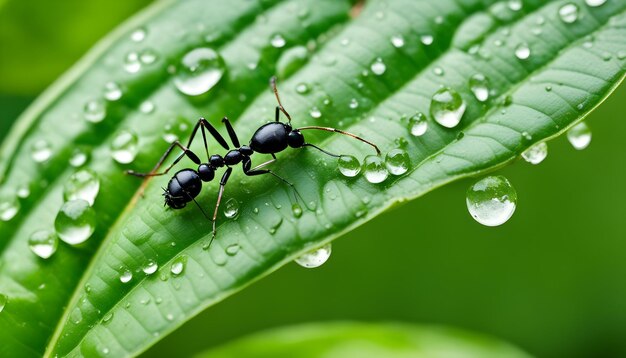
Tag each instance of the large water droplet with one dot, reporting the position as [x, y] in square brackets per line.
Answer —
[447, 107]
[378, 67]
[94, 111]
[397, 162]
[112, 91]
[79, 157]
[536, 154]
[479, 85]
[9, 207]
[315, 258]
[491, 201]
[397, 41]
[75, 222]
[83, 184]
[232, 250]
[418, 124]
[579, 136]
[297, 210]
[178, 265]
[354, 103]
[126, 276]
[595, 3]
[427, 39]
[278, 41]
[315, 113]
[522, 51]
[132, 63]
[3, 301]
[124, 147]
[201, 70]
[231, 208]
[150, 268]
[349, 166]
[374, 169]
[569, 13]
[41, 151]
[43, 243]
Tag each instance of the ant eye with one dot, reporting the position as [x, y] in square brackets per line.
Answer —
[295, 139]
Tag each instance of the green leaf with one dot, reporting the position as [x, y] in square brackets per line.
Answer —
[365, 340]
[76, 303]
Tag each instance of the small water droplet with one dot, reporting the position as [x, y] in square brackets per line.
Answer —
[374, 169]
[492, 200]
[302, 88]
[315, 113]
[515, 5]
[94, 111]
[75, 222]
[3, 301]
[43, 243]
[595, 3]
[397, 162]
[522, 51]
[169, 317]
[536, 154]
[427, 39]
[76, 316]
[23, 191]
[569, 13]
[397, 41]
[124, 147]
[231, 208]
[138, 35]
[132, 63]
[107, 317]
[315, 258]
[41, 151]
[146, 107]
[148, 56]
[201, 69]
[126, 276]
[447, 107]
[378, 67]
[579, 136]
[83, 184]
[278, 41]
[175, 129]
[354, 103]
[178, 265]
[9, 207]
[150, 268]
[349, 166]
[548, 88]
[297, 210]
[232, 250]
[418, 124]
[438, 71]
[479, 85]
[112, 91]
[79, 158]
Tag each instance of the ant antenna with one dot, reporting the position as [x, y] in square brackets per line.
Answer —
[280, 105]
[335, 130]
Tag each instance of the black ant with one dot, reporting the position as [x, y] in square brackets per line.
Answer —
[270, 138]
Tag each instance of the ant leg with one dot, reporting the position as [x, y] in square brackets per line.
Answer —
[204, 124]
[328, 129]
[219, 200]
[280, 105]
[191, 155]
[231, 132]
[256, 171]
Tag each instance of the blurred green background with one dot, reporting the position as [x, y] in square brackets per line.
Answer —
[552, 280]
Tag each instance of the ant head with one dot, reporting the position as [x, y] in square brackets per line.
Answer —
[206, 172]
[295, 139]
[184, 186]
[173, 202]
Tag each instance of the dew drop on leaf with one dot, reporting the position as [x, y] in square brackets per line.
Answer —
[427, 39]
[479, 85]
[178, 265]
[595, 3]
[75, 222]
[447, 107]
[124, 147]
[94, 111]
[199, 71]
[43, 243]
[374, 169]
[522, 51]
[297, 210]
[138, 35]
[349, 166]
[150, 268]
[536, 154]
[492, 200]
[132, 63]
[79, 158]
[126, 276]
[397, 41]
[232, 250]
[146, 107]
[112, 91]
[569, 13]
[315, 258]
[302, 88]
[9, 207]
[278, 41]
[579, 136]
[83, 184]
[41, 151]
[315, 113]
[231, 208]
[378, 67]
[418, 124]
[354, 103]
[397, 161]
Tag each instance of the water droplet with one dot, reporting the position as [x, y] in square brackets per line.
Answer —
[515, 5]
[126, 276]
[397, 41]
[418, 124]
[374, 169]
[150, 268]
[595, 3]
[9, 207]
[315, 113]
[43, 243]
[201, 69]
[438, 71]
[75, 222]
[397, 162]
[76, 316]
[315, 258]
[349, 166]
[41, 151]
[231, 208]
[138, 35]
[568, 13]
[169, 317]
[78, 158]
[579, 136]
[23, 191]
[278, 41]
[146, 107]
[112, 91]
[3, 301]
[378, 67]
[297, 210]
[479, 85]
[132, 63]
[83, 184]
[447, 107]
[302, 88]
[178, 265]
[94, 111]
[536, 154]
[232, 250]
[107, 317]
[522, 51]
[175, 129]
[492, 200]
[354, 103]
[124, 147]
[148, 56]
[427, 39]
